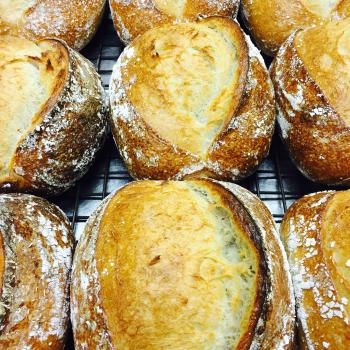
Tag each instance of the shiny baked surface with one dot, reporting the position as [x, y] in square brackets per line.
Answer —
[173, 261]
[325, 52]
[34, 75]
[316, 234]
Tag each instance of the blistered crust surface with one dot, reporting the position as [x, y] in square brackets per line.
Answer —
[135, 17]
[317, 137]
[237, 147]
[272, 22]
[63, 140]
[322, 309]
[37, 241]
[75, 21]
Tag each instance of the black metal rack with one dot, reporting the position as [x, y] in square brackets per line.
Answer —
[277, 182]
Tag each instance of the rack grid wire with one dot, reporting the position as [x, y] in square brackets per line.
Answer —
[277, 182]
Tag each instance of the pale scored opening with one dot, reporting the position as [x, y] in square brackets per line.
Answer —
[174, 8]
[321, 8]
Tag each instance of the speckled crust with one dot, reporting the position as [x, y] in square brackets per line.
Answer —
[321, 308]
[75, 21]
[275, 327]
[133, 18]
[37, 242]
[272, 22]
[63, 141]
[316, 136]
[277, 324]
[235, 153]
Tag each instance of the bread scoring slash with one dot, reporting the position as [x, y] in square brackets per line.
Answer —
[52, 115]
[192, 99]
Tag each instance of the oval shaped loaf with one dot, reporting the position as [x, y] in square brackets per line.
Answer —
[183, 265]
[52, 115]
[272, 22]
[74, 21]
[35, 262]
[192, 98]
[315, 231]
[311, 75]
[135, 17]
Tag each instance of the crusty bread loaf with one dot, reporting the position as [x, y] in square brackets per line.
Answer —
[311, 74]
[272, 21]
[192, 98]
[135, 17]
[181, 265]
[52, 115]
[35, 262]
[316, 235]
[74, 21]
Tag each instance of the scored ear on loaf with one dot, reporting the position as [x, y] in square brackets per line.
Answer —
[135, 17]
[181, 265]
[311, 75]
[36, 244]
[52, 115]
[315, 231]
[192, 98]
[74, 21]
[272, 22]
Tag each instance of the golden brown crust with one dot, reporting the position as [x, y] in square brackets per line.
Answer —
[135, 17]
[227, 144]
[63, 124]
[37, 247]
[315, 252]
[271, 22]
[75, 21]
[317, 137]
[271, 325]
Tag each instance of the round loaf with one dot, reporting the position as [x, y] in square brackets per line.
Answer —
[181, 265]
[52, 115]
[315, 231]
[192, 98]
[272, 22]
[311, 75]
[135, 17]
[74, 21]
[35, 262]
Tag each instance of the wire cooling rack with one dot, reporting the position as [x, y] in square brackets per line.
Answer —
[277, 182]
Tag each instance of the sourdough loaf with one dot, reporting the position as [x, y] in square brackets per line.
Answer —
[192, 99]
[74, 21]
[35, 262]
[52, 115]
[311, 75]
[135, 17]
[315, 231]
[181, 265]
[272, 21]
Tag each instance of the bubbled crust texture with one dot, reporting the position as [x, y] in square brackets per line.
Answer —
[62, 143]
[322, 319]
[275, 328]
[135, 17]
[37, 241]
[239, 146]
[316, 136]
[271, 22]
[74, 21]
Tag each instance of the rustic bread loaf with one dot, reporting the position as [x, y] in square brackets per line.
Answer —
[181, 265]
[52, 115]
[271, 22]
[74, 21]
[311, 74]
[35, 261]
[316, 235]
[135, 17]
[192, 98]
